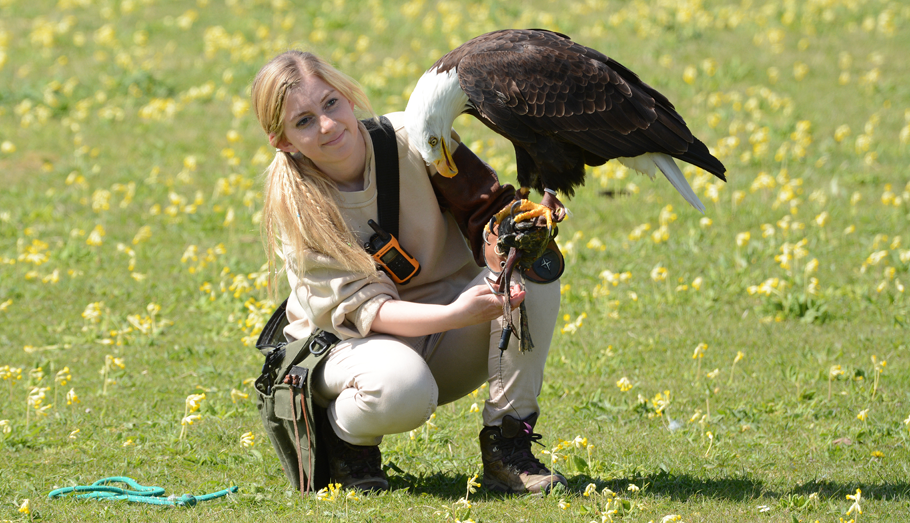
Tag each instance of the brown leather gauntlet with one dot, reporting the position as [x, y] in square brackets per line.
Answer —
[473, 196]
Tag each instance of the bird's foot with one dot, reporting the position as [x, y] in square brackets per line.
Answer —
[524, 210]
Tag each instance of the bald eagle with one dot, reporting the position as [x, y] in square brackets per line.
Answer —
[561, 104]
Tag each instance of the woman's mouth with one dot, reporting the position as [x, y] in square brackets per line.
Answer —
[336, 140]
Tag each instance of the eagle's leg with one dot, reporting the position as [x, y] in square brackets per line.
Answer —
[526, 210]
[550, 209]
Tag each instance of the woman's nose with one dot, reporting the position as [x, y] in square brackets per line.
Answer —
[326, 123]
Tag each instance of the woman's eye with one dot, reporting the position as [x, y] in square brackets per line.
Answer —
[331, 102]
[303, 121]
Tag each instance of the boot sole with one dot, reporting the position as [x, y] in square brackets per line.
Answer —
[498, 486]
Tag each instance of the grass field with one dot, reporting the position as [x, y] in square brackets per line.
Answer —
[750, 364]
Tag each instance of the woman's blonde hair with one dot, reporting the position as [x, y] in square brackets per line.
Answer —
[300, 204]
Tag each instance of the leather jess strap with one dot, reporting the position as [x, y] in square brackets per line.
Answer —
[545, 269]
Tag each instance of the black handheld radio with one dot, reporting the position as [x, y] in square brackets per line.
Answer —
[391, 256]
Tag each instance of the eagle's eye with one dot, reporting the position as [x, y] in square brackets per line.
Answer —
[433, 141]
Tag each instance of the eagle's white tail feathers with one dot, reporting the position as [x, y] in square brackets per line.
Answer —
[645, 164]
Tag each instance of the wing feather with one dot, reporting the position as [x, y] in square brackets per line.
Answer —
[563, 105]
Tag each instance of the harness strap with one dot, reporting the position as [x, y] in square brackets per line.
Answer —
[297, 439]
[385, 151]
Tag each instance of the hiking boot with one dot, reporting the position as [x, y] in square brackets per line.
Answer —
[354, 466]
[508, 464]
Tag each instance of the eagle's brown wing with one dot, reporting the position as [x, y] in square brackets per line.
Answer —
[536, 86]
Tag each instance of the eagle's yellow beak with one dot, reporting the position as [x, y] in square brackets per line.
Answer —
[446, 165]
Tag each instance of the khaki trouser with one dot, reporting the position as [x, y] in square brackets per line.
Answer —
[384, 384]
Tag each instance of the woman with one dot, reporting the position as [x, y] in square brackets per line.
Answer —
[404, 349]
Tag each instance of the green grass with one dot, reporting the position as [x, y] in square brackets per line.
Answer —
[74, 80]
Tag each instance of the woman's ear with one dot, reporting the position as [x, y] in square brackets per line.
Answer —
[282, 144]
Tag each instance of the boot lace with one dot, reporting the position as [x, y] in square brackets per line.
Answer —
[516, 452]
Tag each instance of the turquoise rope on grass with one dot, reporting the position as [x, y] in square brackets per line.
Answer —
[138, 494]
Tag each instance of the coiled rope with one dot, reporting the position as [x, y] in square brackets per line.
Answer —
[135, 493]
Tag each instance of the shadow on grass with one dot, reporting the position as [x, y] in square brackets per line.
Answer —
[681, 487]
[888, 490]
[451, 487]
[678, 486]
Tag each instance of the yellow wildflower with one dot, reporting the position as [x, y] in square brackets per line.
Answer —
[247, 439]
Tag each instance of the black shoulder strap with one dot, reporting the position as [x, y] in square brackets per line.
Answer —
[385, 150]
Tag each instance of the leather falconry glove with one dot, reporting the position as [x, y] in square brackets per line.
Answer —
[486, 211]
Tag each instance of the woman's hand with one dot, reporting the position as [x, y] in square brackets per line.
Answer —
[477, 304]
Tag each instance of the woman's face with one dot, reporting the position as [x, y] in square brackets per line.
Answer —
[320, 124]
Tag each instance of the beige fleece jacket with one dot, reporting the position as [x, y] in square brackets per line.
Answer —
[327, 297]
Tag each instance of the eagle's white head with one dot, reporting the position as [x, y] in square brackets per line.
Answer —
[436, 101]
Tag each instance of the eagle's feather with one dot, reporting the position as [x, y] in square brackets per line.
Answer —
[564, 106]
